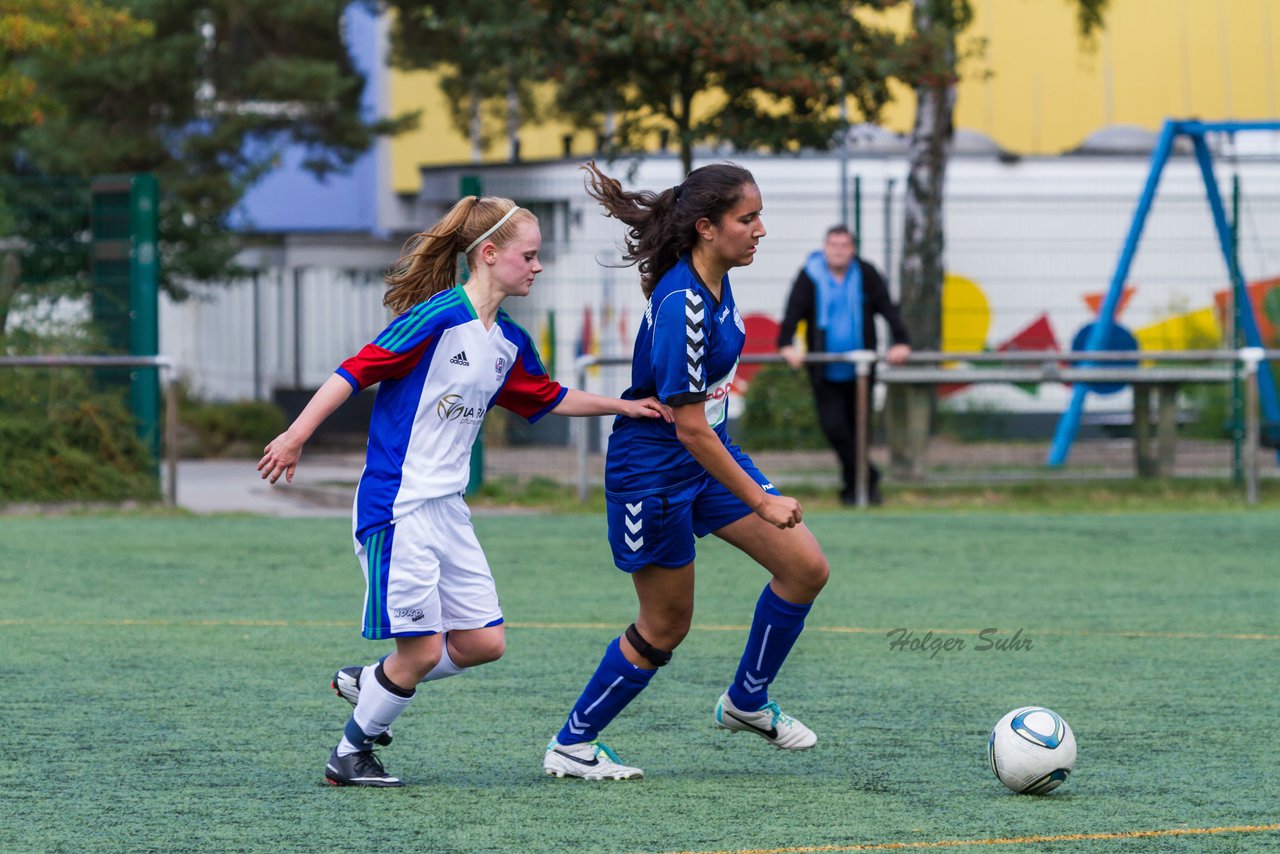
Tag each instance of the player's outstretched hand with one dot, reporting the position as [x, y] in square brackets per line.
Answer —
[280, 457]
[649, 407]
[780, 511]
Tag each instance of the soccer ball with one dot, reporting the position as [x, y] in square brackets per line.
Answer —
[1032, 750]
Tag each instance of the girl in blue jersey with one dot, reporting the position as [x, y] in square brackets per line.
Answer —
[669, 483]
[449, 356]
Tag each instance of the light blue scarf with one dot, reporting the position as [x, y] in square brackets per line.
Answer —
[839, 312]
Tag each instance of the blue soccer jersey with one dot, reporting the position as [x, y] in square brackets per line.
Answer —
[440, 371]
[686, 351]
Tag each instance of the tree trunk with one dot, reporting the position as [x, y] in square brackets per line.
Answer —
[476, 130]
[910, 408]
[513, 120]
[10, 275]
[683, 119]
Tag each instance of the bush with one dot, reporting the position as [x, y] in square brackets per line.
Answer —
[239, 428]
[60, 441]
[779, 412]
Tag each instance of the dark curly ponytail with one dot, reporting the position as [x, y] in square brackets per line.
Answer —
[661, 225]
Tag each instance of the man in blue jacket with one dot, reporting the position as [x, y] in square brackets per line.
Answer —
[838, 295]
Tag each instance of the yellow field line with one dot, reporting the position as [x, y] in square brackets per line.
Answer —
[1008, 840]
[517, 624]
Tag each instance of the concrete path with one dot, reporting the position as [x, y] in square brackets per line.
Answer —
[323, 486]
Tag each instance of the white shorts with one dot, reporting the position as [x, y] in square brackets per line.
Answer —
[426, 573]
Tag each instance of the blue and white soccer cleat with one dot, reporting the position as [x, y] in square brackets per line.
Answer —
[589, 760]
[346, 682]
[770, 723]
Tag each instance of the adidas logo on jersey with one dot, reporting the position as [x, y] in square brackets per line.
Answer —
[460, 359]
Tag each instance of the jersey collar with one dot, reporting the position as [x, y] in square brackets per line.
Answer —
[693, 271]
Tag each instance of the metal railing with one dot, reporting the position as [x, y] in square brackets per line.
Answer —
[1031, 366]
[169, 379]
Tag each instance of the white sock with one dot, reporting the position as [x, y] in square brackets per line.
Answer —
[445, 667]
[373, 715]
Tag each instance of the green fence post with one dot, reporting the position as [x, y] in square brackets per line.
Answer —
[144, 305]
[124, 268]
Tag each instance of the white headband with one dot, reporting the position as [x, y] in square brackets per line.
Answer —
[506, 216]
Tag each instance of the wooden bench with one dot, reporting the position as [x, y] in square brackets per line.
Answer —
[1150, 385]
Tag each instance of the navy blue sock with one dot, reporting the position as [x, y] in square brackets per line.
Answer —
[774, 630]
[615, 683]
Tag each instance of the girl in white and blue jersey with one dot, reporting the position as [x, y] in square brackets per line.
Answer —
[668, 483]
[449, 356]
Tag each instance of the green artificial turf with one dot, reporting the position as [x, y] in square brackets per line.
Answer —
[165, 688]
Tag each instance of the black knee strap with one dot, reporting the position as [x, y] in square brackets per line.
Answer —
[656, 657]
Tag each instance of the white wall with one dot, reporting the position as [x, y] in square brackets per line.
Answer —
[1037, 235]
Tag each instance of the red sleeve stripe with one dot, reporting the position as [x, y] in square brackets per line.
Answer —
[373, 364]
[528, 395]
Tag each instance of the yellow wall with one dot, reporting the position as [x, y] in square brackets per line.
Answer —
[1211, 59]
[437, 142]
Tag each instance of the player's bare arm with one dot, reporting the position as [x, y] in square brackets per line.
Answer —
[578, 402]
[280, 456]
[702, 442]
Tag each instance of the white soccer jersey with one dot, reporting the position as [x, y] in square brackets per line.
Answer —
[440, 371]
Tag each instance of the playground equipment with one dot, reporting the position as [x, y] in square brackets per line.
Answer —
[1101, 330]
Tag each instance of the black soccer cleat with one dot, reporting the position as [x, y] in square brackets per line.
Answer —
[358, 769]
[346, 682]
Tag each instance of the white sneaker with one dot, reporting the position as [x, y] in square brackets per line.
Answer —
[770, 723]
[589, 760]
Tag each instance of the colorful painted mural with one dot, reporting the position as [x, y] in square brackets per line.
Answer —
[966, 319]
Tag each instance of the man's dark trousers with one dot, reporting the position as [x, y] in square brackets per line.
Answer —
[837, 404]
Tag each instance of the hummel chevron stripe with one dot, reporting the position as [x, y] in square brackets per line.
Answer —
[695, 345]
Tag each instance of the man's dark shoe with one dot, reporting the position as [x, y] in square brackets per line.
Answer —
[874, 498]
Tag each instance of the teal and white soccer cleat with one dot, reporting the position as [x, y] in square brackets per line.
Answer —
[589, 760]
[770, 723]
[346, 682]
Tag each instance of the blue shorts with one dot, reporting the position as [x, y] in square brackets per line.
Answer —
[658, 526]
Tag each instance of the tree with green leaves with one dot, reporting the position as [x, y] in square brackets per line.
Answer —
[489, 56]
[64, 32]
[929, 61]
[36, 34]
[756, 73]
[208, 104]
